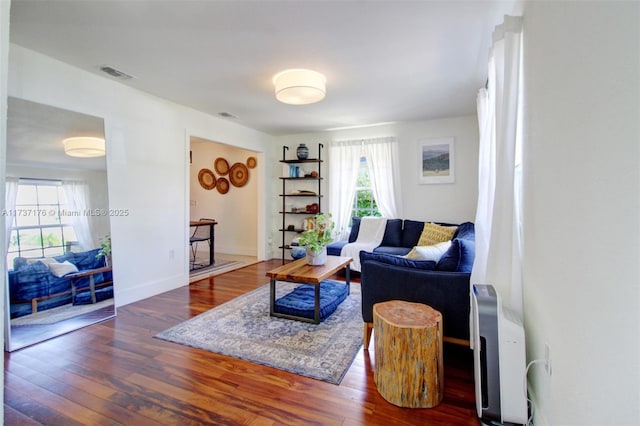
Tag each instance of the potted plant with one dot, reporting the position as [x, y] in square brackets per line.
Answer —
[319, 233]
[105, 249]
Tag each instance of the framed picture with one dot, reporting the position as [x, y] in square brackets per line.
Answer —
[437, 160]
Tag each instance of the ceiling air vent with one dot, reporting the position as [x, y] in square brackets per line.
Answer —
[115, 73]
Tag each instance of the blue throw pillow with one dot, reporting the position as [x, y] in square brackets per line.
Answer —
[355, 228]
[459, 257]
[390, 259]
[411, 231]
[392, 233]
[87, 260]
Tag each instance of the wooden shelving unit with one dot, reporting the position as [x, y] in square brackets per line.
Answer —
[315, 196]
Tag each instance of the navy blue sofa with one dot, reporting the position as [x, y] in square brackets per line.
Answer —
[33, 285]
[443, 285]
[400, 236]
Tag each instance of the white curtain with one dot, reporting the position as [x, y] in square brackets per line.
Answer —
[77, 194]
[382, 162]
[498, 243]
[344, 163]
[11, 192]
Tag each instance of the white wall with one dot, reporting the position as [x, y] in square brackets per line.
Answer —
[4, 56]
[582, 210]
[235, 211]
[455, 202]
[147, 163]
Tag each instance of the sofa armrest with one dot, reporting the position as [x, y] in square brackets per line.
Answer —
[447, 292]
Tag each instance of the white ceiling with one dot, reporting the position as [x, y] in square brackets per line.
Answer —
[35, 133]
[385, 61]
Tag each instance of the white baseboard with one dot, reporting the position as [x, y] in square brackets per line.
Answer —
[240, 251]
[539, 419]
[124, 296]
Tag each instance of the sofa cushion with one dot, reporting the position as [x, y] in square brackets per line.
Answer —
[459, 257]
[411, 231]
[45, 260]
[434, 234]
[397, 261]
[20, 262]
[392, 233]
[27, 283]
[87, 260]
[433, 252]
[355, 228]
[397, 251]
[465, 231]
[335, 248]
[301, 301]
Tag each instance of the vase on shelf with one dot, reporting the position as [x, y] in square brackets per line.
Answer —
[302, 152]
[316, 258]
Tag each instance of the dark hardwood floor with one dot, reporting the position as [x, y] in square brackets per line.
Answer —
[116, 372]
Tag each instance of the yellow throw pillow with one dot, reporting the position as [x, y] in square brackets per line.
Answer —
[434, 234]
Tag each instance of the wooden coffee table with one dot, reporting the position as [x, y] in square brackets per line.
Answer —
[299, 272]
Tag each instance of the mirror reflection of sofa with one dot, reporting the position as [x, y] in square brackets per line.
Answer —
[36, 285]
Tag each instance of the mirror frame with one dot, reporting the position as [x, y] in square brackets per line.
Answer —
[39, 124]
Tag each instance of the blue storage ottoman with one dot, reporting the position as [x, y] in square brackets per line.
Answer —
[301, 301]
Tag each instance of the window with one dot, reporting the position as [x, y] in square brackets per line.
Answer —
[40, 226]
[364, 203]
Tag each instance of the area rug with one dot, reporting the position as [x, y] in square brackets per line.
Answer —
[60, 313]
[242, 328]
[218, 264]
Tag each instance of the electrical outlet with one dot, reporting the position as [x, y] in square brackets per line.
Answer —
[547, 359]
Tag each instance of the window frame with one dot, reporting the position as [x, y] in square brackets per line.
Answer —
[372, 210]
[40, 209]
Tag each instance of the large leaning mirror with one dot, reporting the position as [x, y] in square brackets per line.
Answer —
[59, 249]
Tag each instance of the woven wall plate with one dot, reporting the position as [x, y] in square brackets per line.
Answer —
[221, 165]
[252, 162]
[207, 179]
[239, 175]
[222, 185]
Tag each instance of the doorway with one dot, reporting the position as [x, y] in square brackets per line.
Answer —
[223, 186]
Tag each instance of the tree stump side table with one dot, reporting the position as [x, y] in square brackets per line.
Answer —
[408, 368]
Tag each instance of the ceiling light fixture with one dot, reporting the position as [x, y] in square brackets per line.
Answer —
[299, 86]
[84, 147]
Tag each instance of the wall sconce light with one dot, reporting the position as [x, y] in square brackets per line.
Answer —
[299, 86]
[84, 147]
